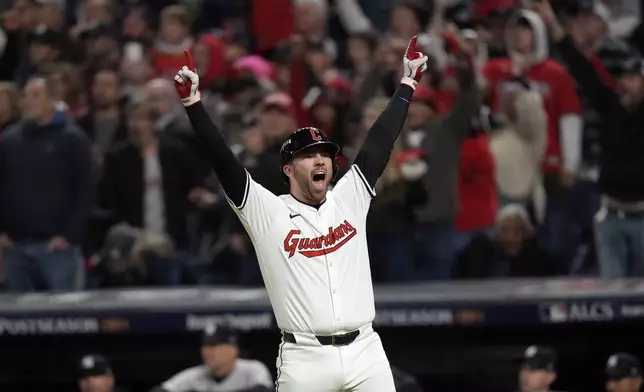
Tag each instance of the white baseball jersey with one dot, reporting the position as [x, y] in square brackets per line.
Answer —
[314, 261]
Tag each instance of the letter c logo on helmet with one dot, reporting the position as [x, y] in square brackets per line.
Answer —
[315, 134]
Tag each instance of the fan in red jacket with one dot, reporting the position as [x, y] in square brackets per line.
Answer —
[476, 186]
[476, 182]
[528, 48]
[174, 37]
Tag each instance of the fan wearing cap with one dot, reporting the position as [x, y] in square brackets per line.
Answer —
[538, 370]
[588, 23]
[222, 369]
[589, 28]
[95, 374]
[43, 50]
[623, 373]
[100, 41]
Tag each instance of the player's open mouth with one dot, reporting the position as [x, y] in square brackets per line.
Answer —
[319, 176]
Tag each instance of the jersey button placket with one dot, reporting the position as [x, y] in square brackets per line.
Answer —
[335, 294]
[330, 273]
[336, 304]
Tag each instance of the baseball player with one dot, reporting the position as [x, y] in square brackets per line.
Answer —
[623, 373]
[222, 369]
[311, 244]
[95, 374]
[538, 370]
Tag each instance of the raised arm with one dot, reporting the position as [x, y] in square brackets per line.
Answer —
[458, 122]
[231, 173]
[374, 154]
[255, 206]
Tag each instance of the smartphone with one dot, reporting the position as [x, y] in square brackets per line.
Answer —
[133, 51]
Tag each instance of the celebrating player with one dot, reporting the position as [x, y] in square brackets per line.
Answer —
[311, 244]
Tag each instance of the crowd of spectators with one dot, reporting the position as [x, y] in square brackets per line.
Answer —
[103, 184]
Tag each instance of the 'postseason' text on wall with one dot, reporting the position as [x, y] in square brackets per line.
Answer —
[48, 326]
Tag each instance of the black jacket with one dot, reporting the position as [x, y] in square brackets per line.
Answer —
[622, 134]
[121, 187]
[46, 180]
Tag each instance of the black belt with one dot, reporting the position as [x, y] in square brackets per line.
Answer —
[333, 340]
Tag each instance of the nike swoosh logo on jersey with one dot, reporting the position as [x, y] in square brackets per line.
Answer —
[294, 215]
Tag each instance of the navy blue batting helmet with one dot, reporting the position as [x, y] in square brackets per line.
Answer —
[303, 139]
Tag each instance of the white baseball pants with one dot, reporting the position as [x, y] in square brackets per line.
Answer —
[307, 366]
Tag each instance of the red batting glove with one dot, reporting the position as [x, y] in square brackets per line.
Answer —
[186, 81]
[414, 64]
